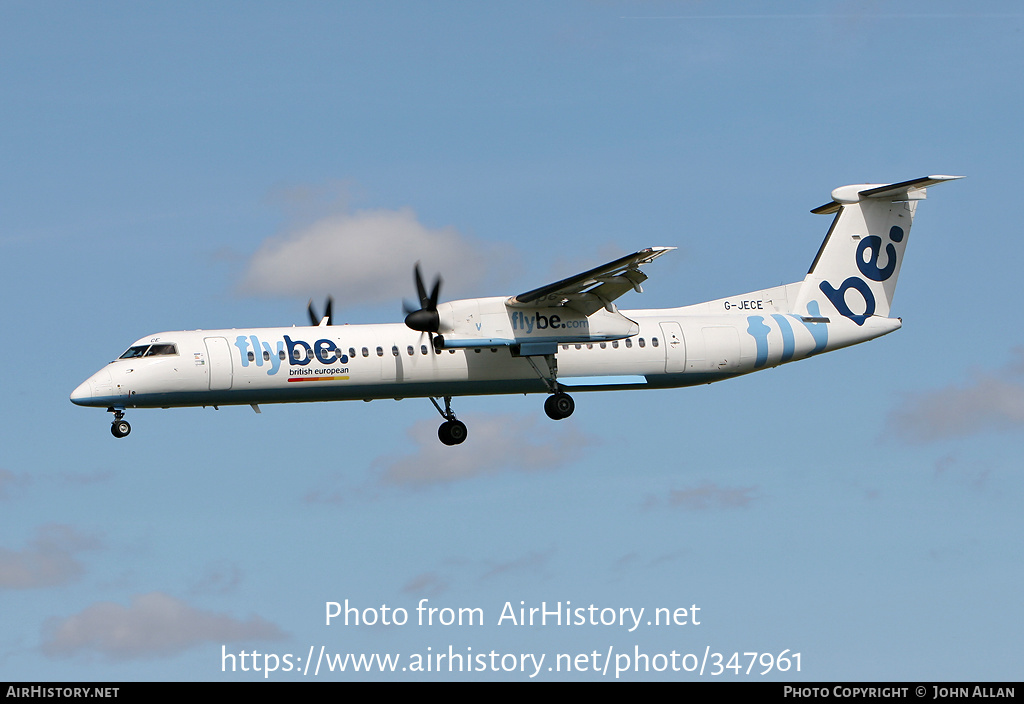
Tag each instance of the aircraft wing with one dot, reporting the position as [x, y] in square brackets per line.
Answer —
[595, 288]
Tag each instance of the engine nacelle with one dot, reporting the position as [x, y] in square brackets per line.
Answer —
[491, 321]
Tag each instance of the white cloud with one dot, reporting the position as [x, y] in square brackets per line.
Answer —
[991, 401]
[367, 257]
[153, 625]
[48, 560]
[706, 496]
[494, 444]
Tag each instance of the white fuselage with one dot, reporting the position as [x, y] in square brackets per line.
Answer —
[565, 336]
[674, 347]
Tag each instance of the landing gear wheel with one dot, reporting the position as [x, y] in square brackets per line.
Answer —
[120, 428]
[559, 405]
[452, 432]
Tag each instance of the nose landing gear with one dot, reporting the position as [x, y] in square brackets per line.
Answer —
[120, 427]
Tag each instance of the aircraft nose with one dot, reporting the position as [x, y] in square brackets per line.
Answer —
[82, 393]
[93, 391]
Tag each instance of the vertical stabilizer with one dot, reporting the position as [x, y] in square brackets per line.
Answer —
[855, 272]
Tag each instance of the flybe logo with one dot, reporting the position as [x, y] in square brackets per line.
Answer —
[298, 353]
[538, 321]
[870, 246]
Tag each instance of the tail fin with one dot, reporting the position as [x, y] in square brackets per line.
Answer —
[854, 274]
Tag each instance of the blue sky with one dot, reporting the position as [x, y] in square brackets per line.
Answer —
[161, 164]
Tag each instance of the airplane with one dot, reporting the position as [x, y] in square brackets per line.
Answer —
[562, 337]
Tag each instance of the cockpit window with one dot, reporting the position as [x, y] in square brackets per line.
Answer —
[134, 352]
[162, 349]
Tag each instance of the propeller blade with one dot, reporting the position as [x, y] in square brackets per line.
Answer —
[435, 293]
[315, 319]
[426, 318]
[420, 288]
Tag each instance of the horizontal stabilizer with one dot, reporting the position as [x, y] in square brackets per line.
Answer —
[905, 190]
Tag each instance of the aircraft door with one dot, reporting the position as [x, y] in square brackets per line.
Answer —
[218, 355]
[675, 349]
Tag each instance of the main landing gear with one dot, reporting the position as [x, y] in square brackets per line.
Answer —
[559, 405]
[120, 427]
[452, 431]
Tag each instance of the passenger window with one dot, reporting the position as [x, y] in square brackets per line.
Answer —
[423, 349]
[266, 356]
[366, 352]
[251, 356]
[411, 351]
[641, 342]
[380, 351]
[394, 350]
[629, 342]
[604, 345]
[352, 352]
[281, 355]
[654, 342]
[615, 344]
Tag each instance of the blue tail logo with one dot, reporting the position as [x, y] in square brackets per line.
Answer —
[868, 267]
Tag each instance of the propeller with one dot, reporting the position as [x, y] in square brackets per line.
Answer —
[314, 319]
[426, 318]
